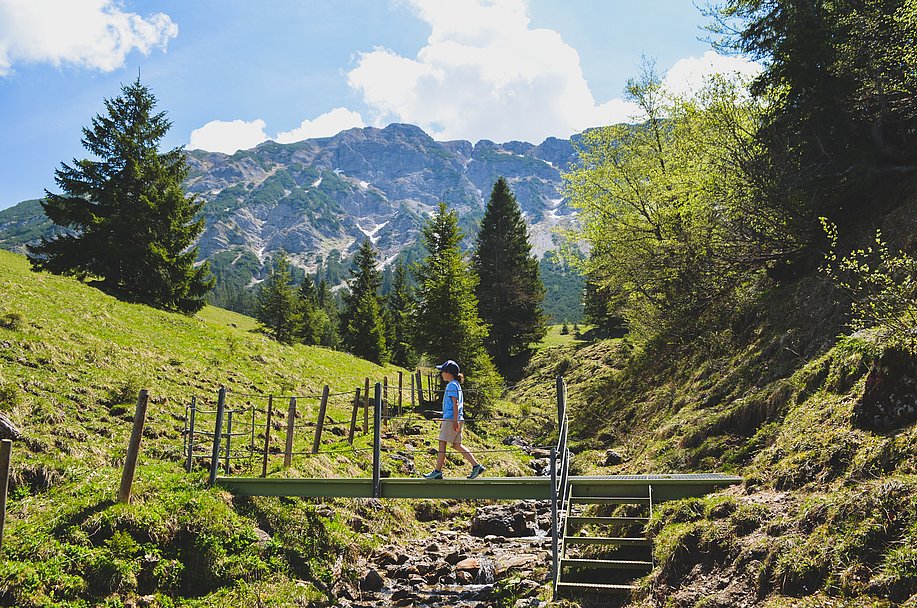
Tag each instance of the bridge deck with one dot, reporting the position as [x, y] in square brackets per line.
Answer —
[665, 487]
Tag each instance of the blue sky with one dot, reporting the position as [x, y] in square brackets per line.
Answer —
[232, 73]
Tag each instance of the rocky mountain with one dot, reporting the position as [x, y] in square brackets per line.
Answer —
[319, 198]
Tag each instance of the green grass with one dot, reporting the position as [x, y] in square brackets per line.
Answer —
[72, 361]
[555, 338]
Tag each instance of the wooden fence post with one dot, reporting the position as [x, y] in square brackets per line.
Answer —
[353, 416]
[6, 448]
[412, 391]
[217, 436]
[366, 407]
[267, 434]
[400, 389]
[133, 448]
[288, 452]
[321, 420]
[190, 462]
[386, 411]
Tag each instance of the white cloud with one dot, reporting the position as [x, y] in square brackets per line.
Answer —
[687, 75]
[95, 34]
[326, 125]
[485, 73]
[228, 136]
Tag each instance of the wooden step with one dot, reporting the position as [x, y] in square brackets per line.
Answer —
[607, 587]
[622, 564]
[610, 500]
[581, 519]
[602, 540]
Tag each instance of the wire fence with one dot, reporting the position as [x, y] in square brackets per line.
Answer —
[247, 434]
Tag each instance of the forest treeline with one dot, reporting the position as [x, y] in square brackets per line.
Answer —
[713, 197]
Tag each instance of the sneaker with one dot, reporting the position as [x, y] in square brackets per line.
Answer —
[476, 470]
[434, 474]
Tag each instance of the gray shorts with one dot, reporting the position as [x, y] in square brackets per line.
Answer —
[448, 434]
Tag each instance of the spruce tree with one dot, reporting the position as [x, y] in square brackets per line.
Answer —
[328, 304]
[446, 321]
[130, 227]
[276, 306]
[362, 325]
[509, 290]
[311, 318]
[400, 306]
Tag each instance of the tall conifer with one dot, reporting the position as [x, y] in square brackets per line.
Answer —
[509, 288]
[130, 226]
[447, 325]
[276, 306]
[362, 325]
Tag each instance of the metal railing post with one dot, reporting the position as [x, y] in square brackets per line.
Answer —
[217, 435]
[377, 443]
[554, 522]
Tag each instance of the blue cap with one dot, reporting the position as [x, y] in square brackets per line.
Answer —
[449, 366]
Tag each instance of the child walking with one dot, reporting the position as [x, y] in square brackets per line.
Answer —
[450, 429]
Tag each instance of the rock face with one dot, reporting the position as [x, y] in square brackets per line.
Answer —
[321, 194]
[890, 397]
[319, 198]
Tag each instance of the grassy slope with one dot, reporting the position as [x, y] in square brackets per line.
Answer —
[71, 363]
[828, 515]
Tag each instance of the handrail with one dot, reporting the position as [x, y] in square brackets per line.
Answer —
[560, 484]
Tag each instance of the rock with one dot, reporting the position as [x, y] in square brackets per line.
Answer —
[385, 557]
[263, 537]
[372, 581]
[505, 520]
[470, 564]
[463, 577]
[890, 398]
[454, 558]
[612, 458]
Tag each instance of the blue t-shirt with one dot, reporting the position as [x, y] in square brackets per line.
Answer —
[453, 389]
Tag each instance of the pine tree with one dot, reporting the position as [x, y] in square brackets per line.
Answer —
[130, 226]
[446, 321]
[362, 326]
[276, 301]
[311, 318]
[400, 306]
[509, 290]
[329, 305]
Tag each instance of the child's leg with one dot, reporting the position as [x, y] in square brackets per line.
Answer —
[464, 452]
[441, 456]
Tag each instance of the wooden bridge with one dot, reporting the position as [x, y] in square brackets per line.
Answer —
[599, 539]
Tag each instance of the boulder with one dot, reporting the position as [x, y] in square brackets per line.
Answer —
[372, 581]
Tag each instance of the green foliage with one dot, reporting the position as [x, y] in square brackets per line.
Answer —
[131, 227]
[509, 289]
[564, 285]
[399, 306]
[663, 211]
[446, 321]
[363, 329]
[882, 287]
[839, 86]
[276, 302]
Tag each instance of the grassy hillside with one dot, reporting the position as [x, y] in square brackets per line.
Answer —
[71, 363]
[828, 514]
